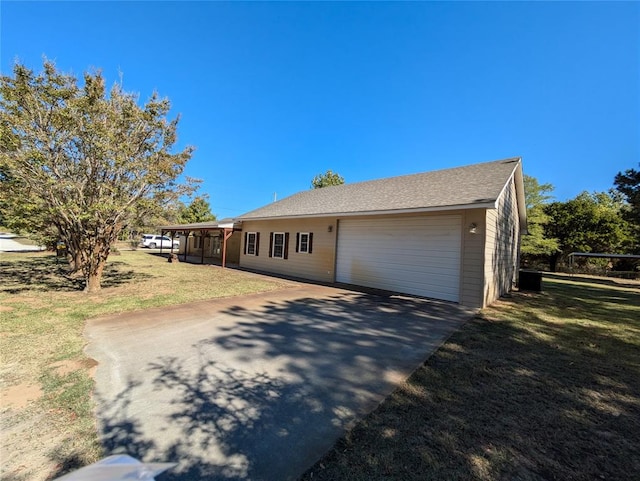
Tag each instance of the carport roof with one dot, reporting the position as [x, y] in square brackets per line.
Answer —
[472, 186]
[219, 224]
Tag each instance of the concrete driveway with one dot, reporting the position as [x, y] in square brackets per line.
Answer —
[255, 387]
[8, 243]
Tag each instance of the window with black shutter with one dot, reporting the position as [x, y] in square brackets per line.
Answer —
[279, 245]
[251, 243]
[304, 241]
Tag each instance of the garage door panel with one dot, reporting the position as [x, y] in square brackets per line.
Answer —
[428, 279]
[436, 287]
[417, 255]
[436, 268]
[409, 258]
[439, 283]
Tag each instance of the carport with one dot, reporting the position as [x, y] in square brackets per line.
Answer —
[225, 229]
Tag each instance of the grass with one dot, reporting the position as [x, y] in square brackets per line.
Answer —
[538, 387]
[42, 316]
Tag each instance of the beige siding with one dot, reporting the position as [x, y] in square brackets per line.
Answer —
[183, 240]
[319, 265]
[233, 247]
[490, 266]
[472, 275]
[501, 246]
[192, 251]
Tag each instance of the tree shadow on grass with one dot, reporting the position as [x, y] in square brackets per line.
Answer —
[37, 274]
[49, 273]
[604, 281]
[119, 273]
[65, 462]
[605, 302]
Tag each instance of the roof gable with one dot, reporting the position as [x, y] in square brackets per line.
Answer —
[472, 186]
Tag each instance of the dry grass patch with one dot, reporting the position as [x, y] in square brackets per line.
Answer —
[539, 387]
[47, 421]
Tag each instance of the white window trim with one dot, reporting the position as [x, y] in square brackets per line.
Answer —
[255, 241]
[273, 247]
[300, 234]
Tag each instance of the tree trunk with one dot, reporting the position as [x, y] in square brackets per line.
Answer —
[94, 280]
[74, 254]
[75, 262]
[94, 265]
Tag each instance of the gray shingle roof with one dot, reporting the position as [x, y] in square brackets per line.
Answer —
[473, 185]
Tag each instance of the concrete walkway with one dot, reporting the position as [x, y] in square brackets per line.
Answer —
[256, 387]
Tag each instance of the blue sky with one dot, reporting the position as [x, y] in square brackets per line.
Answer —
[271, 94]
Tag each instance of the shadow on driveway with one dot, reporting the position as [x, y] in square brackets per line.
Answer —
[257, 387]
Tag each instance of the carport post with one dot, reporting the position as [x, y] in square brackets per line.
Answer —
[227, 234]
[202, 236]
[173, 235]
[186, 243]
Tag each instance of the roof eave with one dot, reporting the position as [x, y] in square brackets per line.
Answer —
[480, 205]
[518, 178]
[520, 195]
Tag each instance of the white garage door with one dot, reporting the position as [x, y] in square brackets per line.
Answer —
[415, 255]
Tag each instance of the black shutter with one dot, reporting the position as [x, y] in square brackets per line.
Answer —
[310, 248]
[297, 240]
[257, 242]
[246, 238]
[286, 245]
[271, 244]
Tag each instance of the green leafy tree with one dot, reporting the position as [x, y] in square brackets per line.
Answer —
[21, 215]
[627, 184]
[88, 161]
[153, 215]
[326, 179]
[198, 210]
[536, 242]
[588, 223]
[150, 219]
